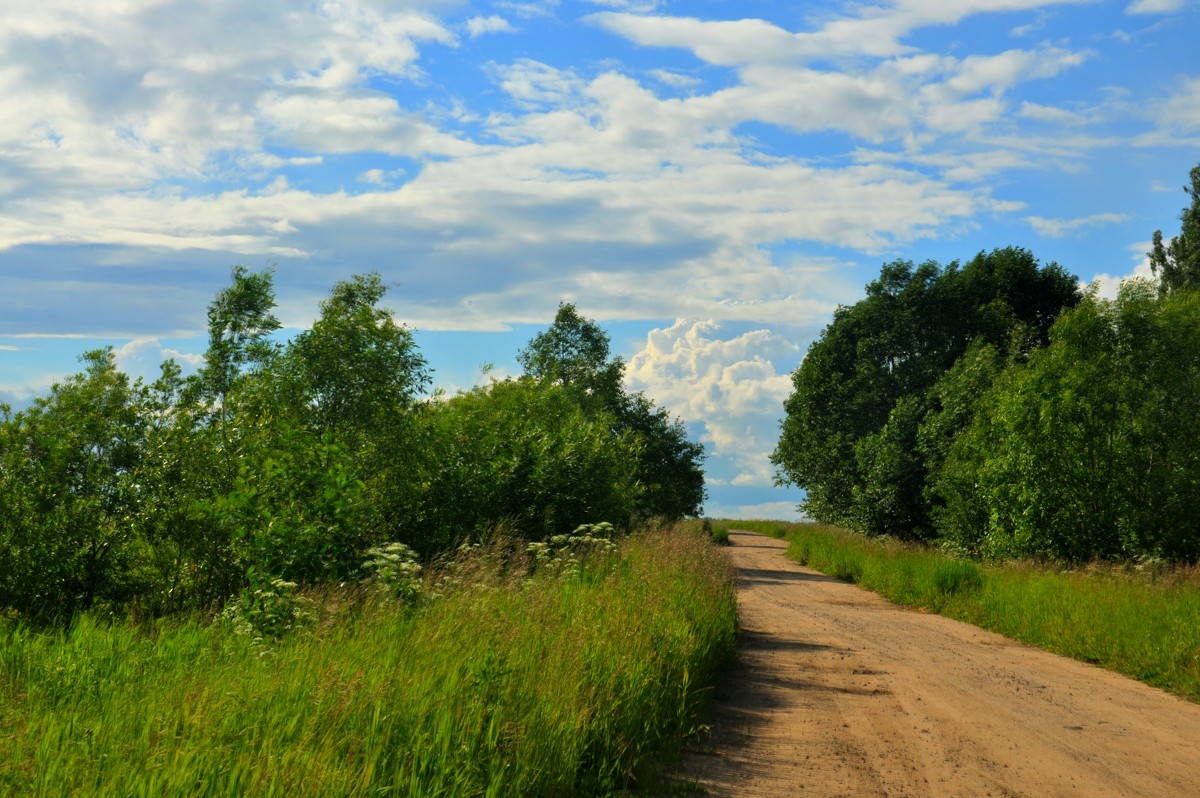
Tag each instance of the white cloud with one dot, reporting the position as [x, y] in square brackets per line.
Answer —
[479, 26]
[631, 6]
[728, 386]
[337, 122]
[533, 83]
[23, 393]
[876, 31]
[379, 177]
[1057, 228]
[529, 9]
[770, 511]
[142, 357]
[1109, 284]
[675, 80]
[1050, 114]
[108, 97]
[372, 176]
[1176, 117]
[899, 96]
[578, 183]
[1155, 6]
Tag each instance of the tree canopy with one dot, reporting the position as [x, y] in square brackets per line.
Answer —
[574, 354]
[849, 436]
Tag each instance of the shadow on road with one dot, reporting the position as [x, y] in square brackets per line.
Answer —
[751, 691]
[773, 577]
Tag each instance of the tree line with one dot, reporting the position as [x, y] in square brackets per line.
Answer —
[293, 460]
[999, 411]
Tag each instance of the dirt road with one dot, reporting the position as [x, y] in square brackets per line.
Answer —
[840, 693]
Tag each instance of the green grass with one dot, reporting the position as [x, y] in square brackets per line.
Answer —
[1143, 624]
[776, 529]
[555, 685]
[718, 531]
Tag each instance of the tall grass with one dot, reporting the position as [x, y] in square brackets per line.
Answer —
[566, 683]
[1143, 624]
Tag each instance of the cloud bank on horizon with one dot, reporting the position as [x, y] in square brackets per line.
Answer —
[713, 177]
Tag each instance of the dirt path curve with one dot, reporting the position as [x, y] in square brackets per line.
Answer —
[839, 693]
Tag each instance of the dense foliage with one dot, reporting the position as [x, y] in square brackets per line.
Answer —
[1092, 447]
[850, 436]
[293, 460]
[993, 409]
[574, 355]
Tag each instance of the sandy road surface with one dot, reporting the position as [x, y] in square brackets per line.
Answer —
[838, 692]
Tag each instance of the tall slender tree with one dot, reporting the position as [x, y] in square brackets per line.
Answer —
[1177, 262]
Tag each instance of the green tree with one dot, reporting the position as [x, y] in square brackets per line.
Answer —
[1092, 448]
[574, 354]
[357, 367]
[297, 509]
[66, 479]
[240, 323]
[849, 435]
[959, 513]
[669, 468]
[1177, 263]
[354, 379]
[184, 466]
[524, 453]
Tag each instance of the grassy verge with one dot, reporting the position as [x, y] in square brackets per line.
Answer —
[1144, 625]
[569, 682]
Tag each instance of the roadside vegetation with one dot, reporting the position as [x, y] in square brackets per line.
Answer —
[282, 575]
[293, 460]
[561, 668]
[998, 412]
[1139, 621]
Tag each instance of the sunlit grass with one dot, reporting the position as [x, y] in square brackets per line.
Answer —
[555, 685]
[1145, 624]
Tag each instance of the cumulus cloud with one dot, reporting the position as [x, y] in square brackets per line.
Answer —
[730, 387]
[217, 139]
[110, 97]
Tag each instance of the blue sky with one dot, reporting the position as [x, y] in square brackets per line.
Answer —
[707, 179]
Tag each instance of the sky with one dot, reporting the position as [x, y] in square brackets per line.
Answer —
[708, 180]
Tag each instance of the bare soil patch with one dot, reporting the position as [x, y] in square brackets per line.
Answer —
[838, 692]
